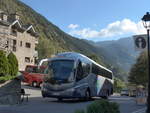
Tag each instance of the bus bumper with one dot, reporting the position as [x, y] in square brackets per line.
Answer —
[61, 94]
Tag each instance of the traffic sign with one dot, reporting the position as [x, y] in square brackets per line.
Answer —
[140, 42]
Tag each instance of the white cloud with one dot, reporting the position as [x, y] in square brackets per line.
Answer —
[73, 26]
[126, 26]
[85, 33]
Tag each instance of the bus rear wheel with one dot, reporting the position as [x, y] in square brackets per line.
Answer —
[106, 95]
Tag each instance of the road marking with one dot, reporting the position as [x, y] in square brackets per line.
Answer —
[140, 110]
[121, 98]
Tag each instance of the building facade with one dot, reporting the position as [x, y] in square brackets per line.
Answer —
[19, 39]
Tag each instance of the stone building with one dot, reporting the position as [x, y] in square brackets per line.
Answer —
[19, 39]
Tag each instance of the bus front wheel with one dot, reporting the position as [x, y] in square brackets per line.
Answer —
[87, 95]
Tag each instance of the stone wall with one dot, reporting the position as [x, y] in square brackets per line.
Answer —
[9, 92]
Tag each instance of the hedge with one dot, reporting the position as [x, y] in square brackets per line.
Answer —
[101, 106]
[13, 64]
[8, 66]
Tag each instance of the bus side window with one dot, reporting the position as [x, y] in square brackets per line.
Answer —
[86, 69]
[79, 72]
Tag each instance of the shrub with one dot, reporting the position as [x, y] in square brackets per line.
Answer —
[101, 106]
[13, 64]
[4, 69]
[118, 85]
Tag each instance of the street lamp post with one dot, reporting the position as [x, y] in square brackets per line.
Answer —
[146, 23]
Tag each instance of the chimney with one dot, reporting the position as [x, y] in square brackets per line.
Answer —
[3, 16]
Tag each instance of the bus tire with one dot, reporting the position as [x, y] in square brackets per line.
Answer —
[107, 95]
[34, 84]
[87, 95]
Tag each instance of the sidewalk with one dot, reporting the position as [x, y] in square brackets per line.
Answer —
[143, 110]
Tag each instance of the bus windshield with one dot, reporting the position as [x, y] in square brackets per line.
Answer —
[61, 69]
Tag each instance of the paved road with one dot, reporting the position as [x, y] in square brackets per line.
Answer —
[37, 104]
[128, 104]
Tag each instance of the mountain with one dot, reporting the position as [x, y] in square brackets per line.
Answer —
[53, 40]
[122, 52]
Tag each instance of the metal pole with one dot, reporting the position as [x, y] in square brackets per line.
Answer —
[148, 50]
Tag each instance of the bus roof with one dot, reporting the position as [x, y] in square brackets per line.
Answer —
[76, 56]
[72, 56]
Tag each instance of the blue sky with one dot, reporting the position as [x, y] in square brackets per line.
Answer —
[94, 19]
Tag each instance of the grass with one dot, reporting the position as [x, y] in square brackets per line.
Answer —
[6, 78]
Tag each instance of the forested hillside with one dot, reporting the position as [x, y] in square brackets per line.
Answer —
[122, 52]
[52, 40]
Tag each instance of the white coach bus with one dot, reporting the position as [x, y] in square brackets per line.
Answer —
[73, 75]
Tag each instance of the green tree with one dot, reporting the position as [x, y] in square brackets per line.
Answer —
[118, 85]
[3, 64]
[45, 48]
[13, 64]
[138, 74]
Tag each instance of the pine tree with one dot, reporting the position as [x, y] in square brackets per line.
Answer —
[13, 64]
[3, 64]
[138, 73]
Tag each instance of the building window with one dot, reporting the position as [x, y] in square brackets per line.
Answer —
[14, 48]
[28, 45]
[13, 32]
[14, 42]
[20, 43]
[7, 44]
[27, 59]
[14, 45]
